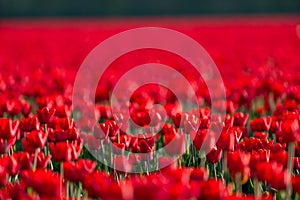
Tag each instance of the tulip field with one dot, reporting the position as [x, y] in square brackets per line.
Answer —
[44, 154]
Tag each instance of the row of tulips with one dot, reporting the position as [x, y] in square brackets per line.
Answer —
[261, 159]
[255, 154]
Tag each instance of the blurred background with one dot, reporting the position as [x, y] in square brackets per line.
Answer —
[109, 8]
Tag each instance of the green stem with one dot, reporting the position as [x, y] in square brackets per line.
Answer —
[291, 153]
[72, 190]
[45, 128]
[67, 188]
[238, 185]
[79, 191]
[215, 170]
[187, 143]
[224, 166]
[35, 159]
[119, 140]
[202, 161]
[257, 191]
[61, 179]
[5, 146]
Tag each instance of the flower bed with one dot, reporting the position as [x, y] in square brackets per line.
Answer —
[255, 156]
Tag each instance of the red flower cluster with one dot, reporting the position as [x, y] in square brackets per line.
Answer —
[254, 153]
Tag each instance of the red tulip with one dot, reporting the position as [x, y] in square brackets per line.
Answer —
[92, 142]
[238, 162]
[228, 120]
[63, 151]
[24, 159]
[267, 196]
[122, 163]
[199, 138]
[45, 183]
[168, 129]
[96, 184]
[141, 118]
[76, 171]
[118, 148]
[9, 144]
[8, 128]
[13, 107]
[280, 157]
[30, 124]
[213, 189]
[214, 156]
[198, 174]
[262, 155]
[105, 111]
[175, 144]
[296, 161]
[166, 163]
[240, 119]
[109, 128]
[143, 144]
[275, 125]
[64, 123]
[63, 111]
[272, 173]
[19, 191]
[249, 144]
[290, 131]
[3, 176]
[261, 135]
[190, 122]
[297, 149]
[149, 188]
[261, 124]
[204, 123]
[296, 184]
[176, 118]
[280, 179]
[57, 135]
[125, 139]
[26, 108]
[34, 140]
[10, 164]
[45, 114]
[42, 160]
[226, 140]
[157, 116]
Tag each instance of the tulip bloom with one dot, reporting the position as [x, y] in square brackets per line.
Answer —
[240, 119]
[3, 176]
[45, 183]
[63, 151]
[213, 189]
[9, 143]
[226, 140]
[29, 124]
[175, 144]
[238, 162]
[214, 156]
[45, 114]
[122, 163]
[10, 164]
[290, 131]
[261, 124]
[96, 184]
[76, 171]
[8, 128]
[34, 140]
[296, 184]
